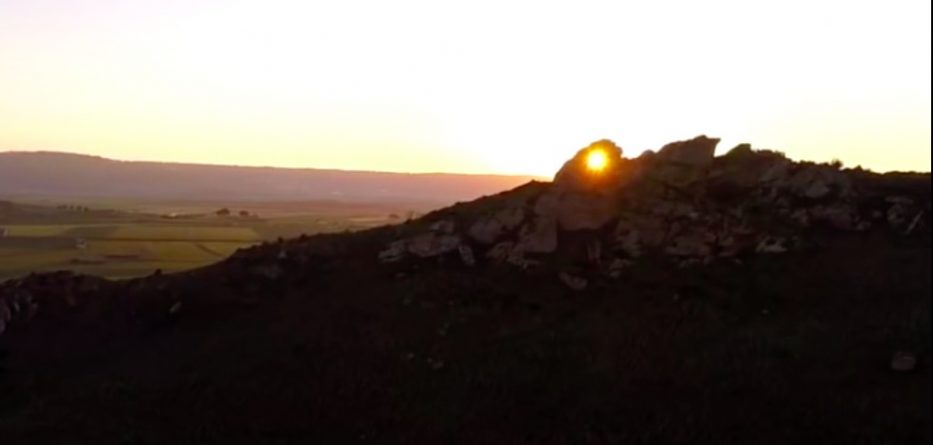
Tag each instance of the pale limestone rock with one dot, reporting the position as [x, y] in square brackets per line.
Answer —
[801, 217]
[618, 265]
[816, 182]
[5, 313]
[576, 210]
[466, 255]
[691, 244]
[696, 152]
[445, 226]
[426, 245]
[897, 214]
[816, 190]
[538, 236]
[511, 217]
[175, 308]
[394, 252]
[914, 223]
[629, 241]
[430, 245]
[517, 258]
[903, 362]
[899, 200]
[903, 215]
[500, 252]
[726, 245]
[267, 271]
[572, 281]
[488, 229]
[507, 253]
[771, 245]
[673, 210]
[777, 172]
[839, 216]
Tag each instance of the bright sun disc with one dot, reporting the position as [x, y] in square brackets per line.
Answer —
[596, 160]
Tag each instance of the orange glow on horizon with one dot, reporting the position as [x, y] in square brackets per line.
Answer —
[411, 86]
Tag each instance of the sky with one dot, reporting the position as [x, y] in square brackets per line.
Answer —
[479, 87]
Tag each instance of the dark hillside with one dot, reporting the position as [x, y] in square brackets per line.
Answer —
[673, 298]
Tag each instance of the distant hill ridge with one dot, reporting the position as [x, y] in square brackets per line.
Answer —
[43, 174]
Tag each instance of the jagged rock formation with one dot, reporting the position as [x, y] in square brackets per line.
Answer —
[681, 203]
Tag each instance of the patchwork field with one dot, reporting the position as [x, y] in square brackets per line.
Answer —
[137, 240]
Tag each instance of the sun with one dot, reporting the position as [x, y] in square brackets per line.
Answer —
[596, 160]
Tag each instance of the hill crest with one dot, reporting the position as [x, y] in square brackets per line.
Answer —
[50, 174]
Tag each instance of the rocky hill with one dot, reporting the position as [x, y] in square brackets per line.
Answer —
[676, 297]
[680, 203]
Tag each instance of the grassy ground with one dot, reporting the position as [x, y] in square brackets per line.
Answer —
[789, 349]
[122, 239]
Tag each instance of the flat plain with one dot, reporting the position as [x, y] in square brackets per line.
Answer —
[125, 239]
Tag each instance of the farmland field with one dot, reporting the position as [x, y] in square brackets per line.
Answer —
[136, 239]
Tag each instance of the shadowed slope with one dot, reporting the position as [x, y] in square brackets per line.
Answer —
[328, 338]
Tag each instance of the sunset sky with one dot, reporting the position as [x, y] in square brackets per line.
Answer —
[478, 86]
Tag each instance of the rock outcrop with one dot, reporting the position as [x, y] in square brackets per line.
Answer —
[696, 152]
[577, 175]
[681, 204]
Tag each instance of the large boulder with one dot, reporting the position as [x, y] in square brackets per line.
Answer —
[538, 236]
[577, 210]
[693, 244]
[818, 182]
[743, 170]
[572, 281]
[683, 162]
[425, 245]
[488, 229]
[578, 175]
[431, 245]
[696, 152]
[681, 203]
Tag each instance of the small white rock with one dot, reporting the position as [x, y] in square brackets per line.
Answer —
[573, 282]
[903, 362]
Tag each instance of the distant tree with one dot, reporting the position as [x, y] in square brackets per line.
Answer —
[393, 216]
[223, 212]
[836, 163]
[244, 213]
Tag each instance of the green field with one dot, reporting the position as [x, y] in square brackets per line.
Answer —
[137, 240]
[119, 251]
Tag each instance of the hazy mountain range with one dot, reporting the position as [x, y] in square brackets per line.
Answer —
[52, 174]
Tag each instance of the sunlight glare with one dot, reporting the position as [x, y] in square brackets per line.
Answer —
[596, 160]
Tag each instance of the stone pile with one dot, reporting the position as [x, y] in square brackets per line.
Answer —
[681, 203]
